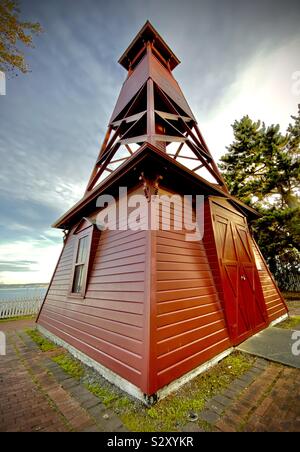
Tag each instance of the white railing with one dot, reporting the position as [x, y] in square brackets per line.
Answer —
[19, 308]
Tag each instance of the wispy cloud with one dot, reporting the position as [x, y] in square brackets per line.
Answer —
[263, 91]
[52, 121]
[17, 266]
[27, 261]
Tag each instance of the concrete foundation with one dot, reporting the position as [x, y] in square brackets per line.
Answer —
[109, 375]
[130, 388]
[125, 385]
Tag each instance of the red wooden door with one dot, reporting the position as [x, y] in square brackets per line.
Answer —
[243, 297]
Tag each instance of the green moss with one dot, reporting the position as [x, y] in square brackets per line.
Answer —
[171, 413]
[23, 317]
[107, 397]
[44, 344]
[70, 365]
[290, 323]
[152, 412]
[110, 397]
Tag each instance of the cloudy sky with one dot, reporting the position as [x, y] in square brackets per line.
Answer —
[238, 57]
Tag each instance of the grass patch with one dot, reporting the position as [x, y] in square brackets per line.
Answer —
[44, 344]
[20, 317]
[109, 397]
[289, 323]
[70, 365]
[171, 413]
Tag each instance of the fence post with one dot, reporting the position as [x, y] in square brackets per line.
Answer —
[20, 308]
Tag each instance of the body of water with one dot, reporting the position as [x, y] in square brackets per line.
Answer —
[22, 293]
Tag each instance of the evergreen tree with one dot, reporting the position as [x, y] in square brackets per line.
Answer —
[262, 168]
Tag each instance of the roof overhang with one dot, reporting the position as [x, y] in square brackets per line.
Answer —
[148, 33]
[151, 161]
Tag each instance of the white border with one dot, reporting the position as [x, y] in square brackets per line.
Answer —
[280, 319]
[108, 374]
[130, 388]
[176, 384]
[2, 83]
[124, 384]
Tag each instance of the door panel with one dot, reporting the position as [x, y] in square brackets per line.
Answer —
[242, 244]
[243, 298]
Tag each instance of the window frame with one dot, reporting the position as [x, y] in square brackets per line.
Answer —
[87, 232]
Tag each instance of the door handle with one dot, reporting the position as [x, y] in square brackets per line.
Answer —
[243, 278]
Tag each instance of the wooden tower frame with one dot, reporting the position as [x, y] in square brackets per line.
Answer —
[146, 307]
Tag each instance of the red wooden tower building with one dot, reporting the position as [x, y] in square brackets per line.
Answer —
[147, 307]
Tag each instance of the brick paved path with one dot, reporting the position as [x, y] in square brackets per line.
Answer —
[270, 403]
[264, 399]
[36, 395]
[294, 307]
[24, 407]
[17, 325]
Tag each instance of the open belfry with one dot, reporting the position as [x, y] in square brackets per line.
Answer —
[145, 306]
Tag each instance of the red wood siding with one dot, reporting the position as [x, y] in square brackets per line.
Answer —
[275, 304]
[190, 326]
[152, 309]
[107, 324]
[149, 66]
